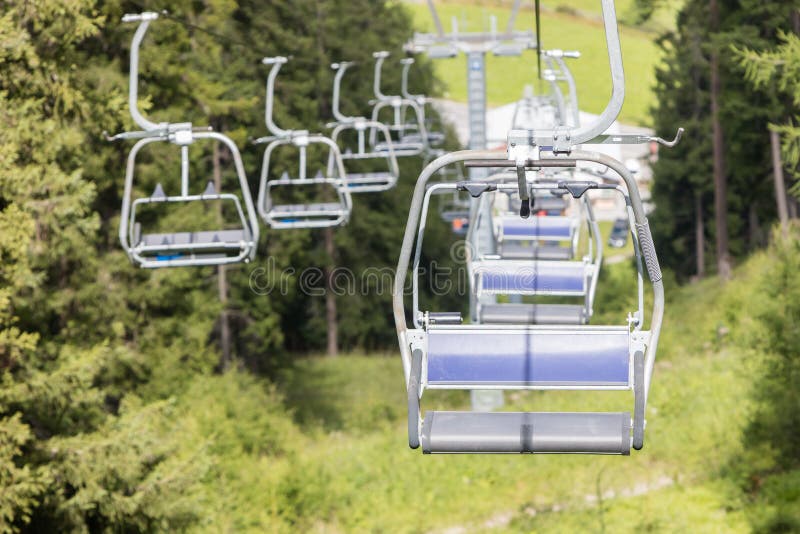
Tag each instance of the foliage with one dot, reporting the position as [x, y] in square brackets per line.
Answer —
[111, 417]
[775, 425]
[683, 174]
[781, 65]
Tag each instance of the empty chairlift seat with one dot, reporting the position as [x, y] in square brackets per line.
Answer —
[304, 215]
[385, 160]
[533, 278]
[537, 237]
[208, 247]
[225, 242]
[480, 357]
[470, 357]
[409, 135]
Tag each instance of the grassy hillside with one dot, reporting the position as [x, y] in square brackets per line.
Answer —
[327, 450]
[566, 25]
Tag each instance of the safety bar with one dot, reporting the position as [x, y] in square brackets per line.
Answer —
[642, 229]
[623, 139]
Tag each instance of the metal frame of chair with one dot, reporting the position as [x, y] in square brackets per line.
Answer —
[190, 248]
[417, 143]
[361, 182]
[441, 353]
[309, 214]
[435, 136]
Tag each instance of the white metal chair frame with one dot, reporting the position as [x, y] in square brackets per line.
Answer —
[435, 138]
[643, 344]
[182, 248]
[310, 215]
[369, 182]
[418, 144]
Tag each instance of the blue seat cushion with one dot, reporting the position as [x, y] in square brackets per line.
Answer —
[545, 228]
[531, 277]
[528, 357]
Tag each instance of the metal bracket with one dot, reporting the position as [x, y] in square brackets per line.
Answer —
[523, 151]
[139, 17]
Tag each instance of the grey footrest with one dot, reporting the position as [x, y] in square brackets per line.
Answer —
[191, 238]
[532, 314]
[526, 432]
[310, 210]
[358, 179]
[515, 251]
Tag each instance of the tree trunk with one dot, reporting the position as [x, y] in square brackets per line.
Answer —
[780, 188]
[222, 281]
[699, 236]
[323, 104]
[718, 148]
[792, 205]
[753, 228]
[330, 296]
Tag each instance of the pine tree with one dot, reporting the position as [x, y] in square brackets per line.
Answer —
[683, 176]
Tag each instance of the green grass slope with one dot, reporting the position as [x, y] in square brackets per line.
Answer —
[579, 29]
[326, 451]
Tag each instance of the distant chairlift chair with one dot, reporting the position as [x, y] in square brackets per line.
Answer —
[219, 246]
[539, 270]
[409, 138]
[436, 135]
[558, 71]
[533, 112]
[453, 207]
[323, 214]
[361, 182]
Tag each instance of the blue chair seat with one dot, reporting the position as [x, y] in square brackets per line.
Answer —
[531, 277]
[467, 358]
[548, 228]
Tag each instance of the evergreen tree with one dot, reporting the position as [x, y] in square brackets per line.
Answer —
[683, 178]
[95, 353]
[781, 65]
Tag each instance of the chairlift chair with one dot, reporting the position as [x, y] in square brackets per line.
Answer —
[453, 208]
[439, 352]
[558, 71]
[435, 134]
[540, 237]
[532, 112]
[361, 182]
[227, 244]
[539, 269]
[409, 138]
[282, 215]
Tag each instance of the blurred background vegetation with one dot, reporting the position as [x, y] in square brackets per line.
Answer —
[119, 410]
